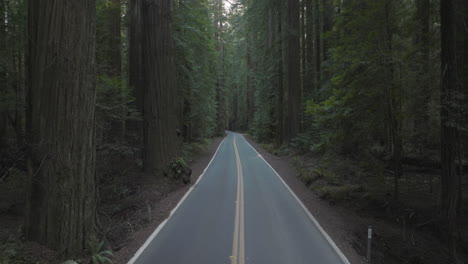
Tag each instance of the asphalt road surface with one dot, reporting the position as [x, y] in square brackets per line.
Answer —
[240, 211]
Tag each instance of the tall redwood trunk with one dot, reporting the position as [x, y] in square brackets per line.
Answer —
[423, 41]
[115, 43]
[461, 17]
[160, 105]
[294, 85]
[318, 57]
[135, 51]
[220, 93]
[61, 208]
[3, 75]
[309, 83]
[449, 115]
[327, 7]
[250, 86]
[280, 111]
[303, 65]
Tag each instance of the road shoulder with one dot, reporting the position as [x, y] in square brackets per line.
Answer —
[334, 220]
[163, 208]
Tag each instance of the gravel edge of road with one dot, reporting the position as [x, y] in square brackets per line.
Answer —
[163, 208]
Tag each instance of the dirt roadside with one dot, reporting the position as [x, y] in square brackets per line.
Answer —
[163, 207]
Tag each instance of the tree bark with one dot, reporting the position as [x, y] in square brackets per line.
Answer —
[61, 207]
[294, 104]
[115, 43]
[160, 105]
[220, 93]
[449, 124]
[423, 41]
[461, 17]
[135, 51]
[280, 109]
[318, 58]
[3, 76]
[309, 84]
[303, 65]
[327, 6]
[250, 81]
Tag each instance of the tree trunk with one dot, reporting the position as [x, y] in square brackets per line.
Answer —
[294, 104]
[303, 65]
[449, 124]
[135, 51]
[3, 76]
[327, 7]
[20, 92]
[115, 43]
[423, 41]
[393, 101]
[309, 84]
[280, 109]
[220, 93]
[318, 58]
[250, 88]
[461, 17]
[158, 90]
[61, 207]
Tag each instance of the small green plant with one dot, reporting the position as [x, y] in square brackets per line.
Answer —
[178, 165]
[328, 175]
[338, 193]
[99, 255]
[8, 251]
[119, 191]
[307, 176]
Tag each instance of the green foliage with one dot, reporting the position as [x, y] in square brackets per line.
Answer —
[12, 251]
[99, 255]
[7, 100]
[190, 150]
[330, 123]
[113, 97]
[114, 102]
[108, 13]
[8, 252]
[307, 176]
[13, 43]
[196, 66]
[338, 193]
[178, 163]
[350, 113]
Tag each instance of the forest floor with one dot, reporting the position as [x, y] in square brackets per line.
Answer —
[131, 205]
[402, 233]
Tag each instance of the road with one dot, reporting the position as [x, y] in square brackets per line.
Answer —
[240, 211]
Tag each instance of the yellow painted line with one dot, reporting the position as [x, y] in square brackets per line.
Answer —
[238, 250]
[160, 227]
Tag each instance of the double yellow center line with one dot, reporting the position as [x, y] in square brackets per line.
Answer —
[238, 255]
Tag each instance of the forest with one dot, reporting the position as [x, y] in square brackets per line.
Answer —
[106, 105]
